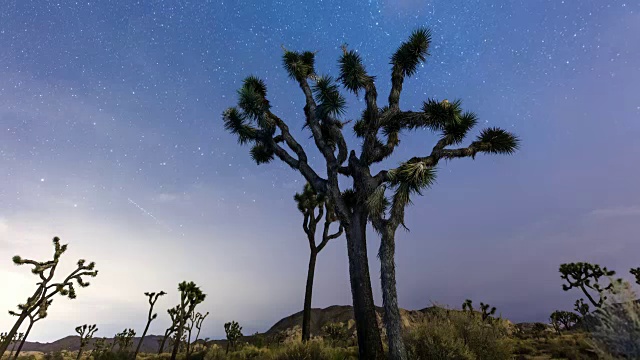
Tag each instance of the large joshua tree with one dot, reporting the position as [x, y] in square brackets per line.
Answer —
[586, 277]
[309, 202]
[380, 198]
[153, 298]
[47, 287]
[86, 334]
[190, 297]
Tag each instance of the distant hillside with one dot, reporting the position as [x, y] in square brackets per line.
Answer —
[290, 326]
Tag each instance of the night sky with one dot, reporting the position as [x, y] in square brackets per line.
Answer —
[111, 137]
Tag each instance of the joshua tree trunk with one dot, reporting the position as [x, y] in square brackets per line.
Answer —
[369, 341]
[392, 320]
[23, 340]
[164, 341]
[306, 315]
[80, 353]
[144, 333]
[227, 352]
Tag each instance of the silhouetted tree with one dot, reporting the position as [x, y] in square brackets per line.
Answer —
[234, 332]
[582, 308]
[487, 311]
[47, 289]
[33, 317]
[636, 273]
[153, 298]
[467, 305]
[86, 334]
[195, 320]
[99, 348]
[309, 202]
[124, 340]
[585, 276]
[565, 318]
[173, 314]
[190, 297]
[366, 200]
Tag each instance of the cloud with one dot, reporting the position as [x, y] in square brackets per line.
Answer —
[619, 211]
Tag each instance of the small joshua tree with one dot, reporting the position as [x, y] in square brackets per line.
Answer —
[308, 203]
[467, 305]
[234, 332]
[195, 320]
[190, 297]
[100, 347]
[585, 276]
[153, 298]
[33, 318]
[124, 340]
[173, 314]
[636, 272]
[47, 288]
[563, 320]
[487, 311]
[86, 334]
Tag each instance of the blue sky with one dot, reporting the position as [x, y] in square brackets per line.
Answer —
[111, 138]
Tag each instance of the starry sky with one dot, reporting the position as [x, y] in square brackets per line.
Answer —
[111, 137]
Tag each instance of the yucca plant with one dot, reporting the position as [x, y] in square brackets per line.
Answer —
[86, 334]
[381, 197]
[309, 202]
[47, 288]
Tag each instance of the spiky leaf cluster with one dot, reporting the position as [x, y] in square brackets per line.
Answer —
[308, 199]
[299, 65]
[86, 333]
[353, 74]
[585, 276]
[412, 52]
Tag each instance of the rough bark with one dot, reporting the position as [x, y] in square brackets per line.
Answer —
[369, 341]
[392, 319]
[306, 315]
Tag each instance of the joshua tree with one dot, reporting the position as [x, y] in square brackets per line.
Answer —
[487, 311]
[190, 297]
[636, 272]
[308, 202]
[467, 305]
[234, 332]
[585, 276]
[195, 320]
[173, 314]
[99, 347]
[86, 334]
[47, 288]
[33, 318]
[153, 297]
[565, 318]
[379, 129]
[124, 340]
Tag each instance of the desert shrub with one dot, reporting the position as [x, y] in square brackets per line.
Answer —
[55, 355]
[113, 355]
[455, 335]
[311, 350]
[616, 329]
[27, 357]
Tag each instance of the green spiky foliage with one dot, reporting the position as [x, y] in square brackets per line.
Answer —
[173, 315]
[47, 287]
[586, 277]
[314, 207]
[152, 297]
[123, 340]
[563, 320]
[234, 333]
[190, 296]
[382, 196]
[86, 334]
[487, 311]
[636, 273]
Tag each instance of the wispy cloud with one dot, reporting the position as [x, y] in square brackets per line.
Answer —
[619, 211]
